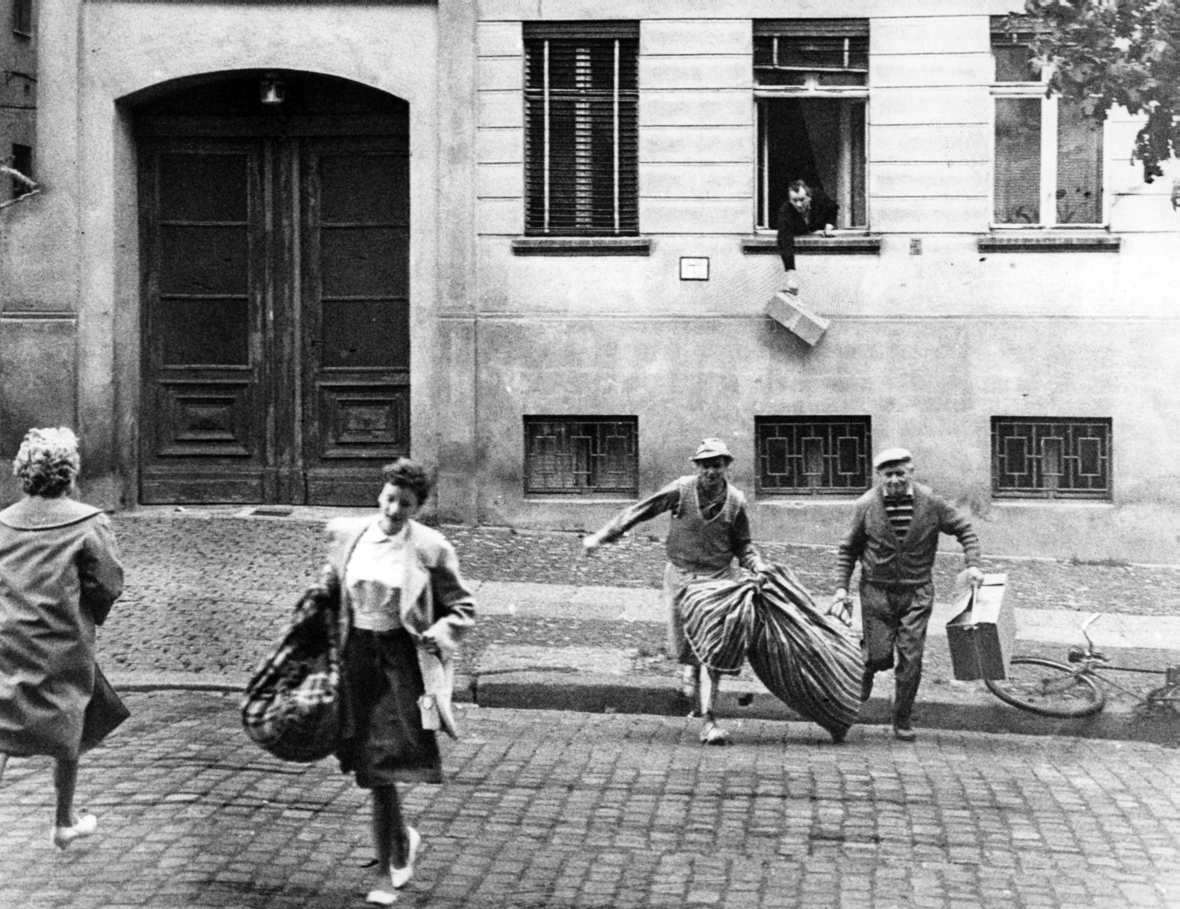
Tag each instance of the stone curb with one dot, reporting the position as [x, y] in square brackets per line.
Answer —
[971, 711]
[589, 692]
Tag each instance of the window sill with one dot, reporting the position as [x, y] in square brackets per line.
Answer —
[1049, 242]
[581, 246]
[810, 244]
[579, 498]
[999, 501]
[801, 500]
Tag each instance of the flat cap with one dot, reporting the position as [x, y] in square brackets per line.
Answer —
[712, 448]
[890, 456]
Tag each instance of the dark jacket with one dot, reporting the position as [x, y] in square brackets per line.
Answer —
[886, 560]
[791, 224]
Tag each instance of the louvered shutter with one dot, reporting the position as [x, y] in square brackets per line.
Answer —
[581, 130]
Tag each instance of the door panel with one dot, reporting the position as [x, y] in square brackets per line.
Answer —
[202, 435]
[356, 300]
[262, 384]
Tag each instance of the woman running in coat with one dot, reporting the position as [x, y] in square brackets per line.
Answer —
[59, 577]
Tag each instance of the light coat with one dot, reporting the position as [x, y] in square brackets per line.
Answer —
[59, 576]
[434, 599]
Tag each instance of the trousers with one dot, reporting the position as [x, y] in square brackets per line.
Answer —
[894, 622]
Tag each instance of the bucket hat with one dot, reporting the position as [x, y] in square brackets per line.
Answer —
[712, 448]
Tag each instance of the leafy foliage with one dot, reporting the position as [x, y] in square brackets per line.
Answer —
[1102, 53]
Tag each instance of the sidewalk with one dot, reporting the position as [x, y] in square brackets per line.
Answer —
[207, 593]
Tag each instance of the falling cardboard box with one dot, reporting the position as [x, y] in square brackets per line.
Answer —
[788, 309]
[983, 631]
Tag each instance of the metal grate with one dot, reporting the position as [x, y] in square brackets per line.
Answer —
[581, 99]
[1051, 457]
[813, 455]
[581, 455]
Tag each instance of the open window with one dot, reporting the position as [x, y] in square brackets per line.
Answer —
[1048, 155]
[22, 18]
[811, 89]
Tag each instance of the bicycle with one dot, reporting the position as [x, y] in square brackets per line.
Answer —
[1069, 690]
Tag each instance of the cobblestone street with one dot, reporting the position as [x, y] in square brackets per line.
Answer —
[554, 810]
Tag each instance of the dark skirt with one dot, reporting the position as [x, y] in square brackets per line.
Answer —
[381, 737]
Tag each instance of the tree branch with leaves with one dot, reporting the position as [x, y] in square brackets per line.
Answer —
[1102, 53]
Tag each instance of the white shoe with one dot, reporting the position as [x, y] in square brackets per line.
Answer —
[401, 876]
[381, 898]
[84, 826]
[712, 734]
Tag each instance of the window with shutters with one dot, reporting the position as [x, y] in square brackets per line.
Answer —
[813, 455]
[1048, 155]
[581, 98]
[1051, 457]
[581, 455]
[811, 88]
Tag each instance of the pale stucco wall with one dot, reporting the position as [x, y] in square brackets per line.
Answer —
[931, 346]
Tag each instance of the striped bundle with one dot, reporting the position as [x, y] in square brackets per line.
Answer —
[805, 658]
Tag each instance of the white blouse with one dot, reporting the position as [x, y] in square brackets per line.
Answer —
[374, 577]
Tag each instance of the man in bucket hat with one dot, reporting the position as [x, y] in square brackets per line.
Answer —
[710, 528]
[894, 533]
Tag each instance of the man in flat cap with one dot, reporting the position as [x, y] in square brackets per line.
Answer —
[709, 530]
[894, 533]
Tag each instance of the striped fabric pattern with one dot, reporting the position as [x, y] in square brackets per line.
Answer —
[718, 616]
[807, 659]
[900, 512]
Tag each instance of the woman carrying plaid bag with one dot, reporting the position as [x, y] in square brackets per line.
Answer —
[403, 607]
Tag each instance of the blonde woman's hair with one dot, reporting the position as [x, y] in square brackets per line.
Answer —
[47, 462]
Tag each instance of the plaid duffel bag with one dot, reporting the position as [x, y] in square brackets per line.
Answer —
[292, 702]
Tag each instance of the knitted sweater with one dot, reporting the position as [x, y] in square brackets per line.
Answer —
[887, 560]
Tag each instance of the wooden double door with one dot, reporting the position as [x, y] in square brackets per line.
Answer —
[276, 344]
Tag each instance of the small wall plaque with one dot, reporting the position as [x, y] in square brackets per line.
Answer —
[694, 268]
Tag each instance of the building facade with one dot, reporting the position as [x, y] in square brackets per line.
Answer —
[532, 242]
[18, 100]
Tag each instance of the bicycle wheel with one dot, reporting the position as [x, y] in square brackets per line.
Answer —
[1048, 689]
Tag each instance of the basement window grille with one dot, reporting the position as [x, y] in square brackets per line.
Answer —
[581, 455]
[813, 455]
[1051, 457]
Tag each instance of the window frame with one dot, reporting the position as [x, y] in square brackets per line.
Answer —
[624, 208]
[22, 18]
[805, 422]
[1051, 492]
[531, 421]
[22, 163]
[811, 90]
[1047, 190]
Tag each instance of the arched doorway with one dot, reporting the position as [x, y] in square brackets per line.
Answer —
[274, 242]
